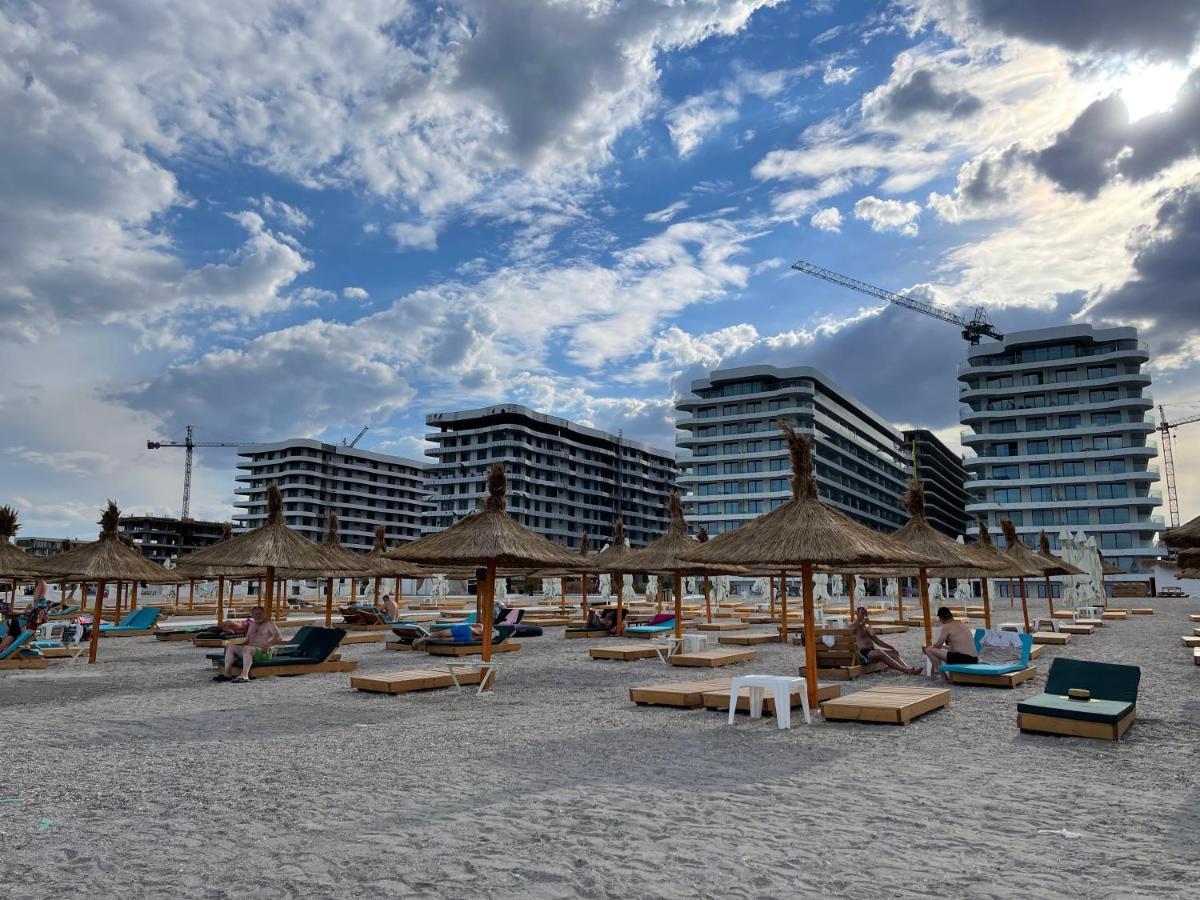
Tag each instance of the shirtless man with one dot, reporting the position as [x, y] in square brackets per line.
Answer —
[391, 608]
[955, 645]
[261, 634]
[872, 649]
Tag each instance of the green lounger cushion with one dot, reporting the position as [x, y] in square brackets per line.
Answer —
[1019, 665]
[17, 647]
[1109, 712]
[138, 620]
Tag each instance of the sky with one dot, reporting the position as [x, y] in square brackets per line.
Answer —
[280, 219]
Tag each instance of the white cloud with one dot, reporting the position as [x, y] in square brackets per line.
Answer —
[888, 215]
[667, 213]
[699, 117]
[827, 219]
[835, 74]
[287, 215]
[410, 236]
[355, 293]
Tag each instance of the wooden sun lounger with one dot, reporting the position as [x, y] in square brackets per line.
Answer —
[841, 661]
[761, 619]
[1196, 656]
[1077, 628]
[1116, 615]
[1194, 618]
[1141, 611]
[1051, 637]
[721, 626]
[893, 705]
[575, 634]
[334, 663]
[174, 635]
[404, 682]
[365, 637]
[686, 694]
[137, 632]
[1007, 680]
[720, 699]
[749, 640]
[1191, 640]
[1095, 623]
[623, 652]
[890, 629]
[1037, 650]
[1062, 614]
[24, 662]
[218, 642]
[713, 659]
[472, 649]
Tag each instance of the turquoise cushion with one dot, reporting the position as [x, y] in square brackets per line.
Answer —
[1059, 707]
[983, 668]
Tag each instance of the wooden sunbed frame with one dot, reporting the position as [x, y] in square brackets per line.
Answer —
[623, 652]
[721, 626]
[841, 661]
[574, 634]
[892, 705]
[1077, 628]
[686, 694]
[24, 662]
[713, 658]
[137, 632]
[334, 663]
[749, 640]
[1008, 680]
[470, 649]
[1141, 611]
[1056, 638]
[174, 635]
[409, 680]
[1033, 723]
[720, 699]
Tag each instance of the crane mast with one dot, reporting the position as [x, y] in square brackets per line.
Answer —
[189, 444]
[1164, 428]
[972, 329]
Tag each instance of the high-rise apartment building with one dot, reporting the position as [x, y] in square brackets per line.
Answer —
[1060, 438]
[563, 478]
[944, 476]
[734, 461]
[362, 487]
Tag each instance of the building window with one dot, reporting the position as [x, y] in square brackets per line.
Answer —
[1106, 442]
[1106, 418]
[754, 487]
[1031, 378]
[1118, 541]
[732, 468]
[706, 450]
[1041, 494]
[707, 469]
[1103, 395]
[1009, 449]
[1071, 421]
[1039, 470]
[1042, 517]
[1001, 382]
[1076, 517]
[1006, 472]
[1003, 426]
[731, 487]
[1070, 445]
[1037, 424]
[1110, 466]
[1070, 469]
[1006, 495]
[1115, 516]
[732, 507]
[706, 489]
[1075, 492]
[1067, 398]
[1112, 491]
[1101, 372]
[779, 484]
[1037, 447]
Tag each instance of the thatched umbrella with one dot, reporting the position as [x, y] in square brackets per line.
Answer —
[613, 559]
[489, 538]
[15, 563]
[273, 547]
[1183, 537]
[805, 532]
[104, 560]
[1189, 563]
[951, 558]
[349, 564]
[1054, 565]
[188, 568]
[386, 567]
[583, 566]
[665, 556]
[1031, 560]
[985, 553]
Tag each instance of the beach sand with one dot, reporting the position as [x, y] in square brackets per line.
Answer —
[140, 777]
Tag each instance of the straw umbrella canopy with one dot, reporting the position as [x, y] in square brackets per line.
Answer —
[1189, 563]
[1183, 537]
[583, 566]
[200, 572]
[15, 563]
[103, 560]
[349, 565]
[275, 547]
[805, 532]
[384, 567]
[666, 556]
[1029, 559]
[489, 538]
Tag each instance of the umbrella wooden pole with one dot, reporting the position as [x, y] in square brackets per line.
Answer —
[1025, 607]
[923, 584]
[489, 592]
[133, 597]
[377, 580]
[220, 600]
[117, 607]
[660, 596]
[620, 598]
[678, 605]
[191, 595]
[583, 588]
[562, 595]
[850, 594]
[94, 643]
[707, 600]
[328, 602]
[810, 636]
[771, 596]
[1050, 596]
[1012, 593]
[783, 622]
[270, 588]
[399, 592]
[987, 605]
[353, 591]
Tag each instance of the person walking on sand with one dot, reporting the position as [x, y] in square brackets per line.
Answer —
[955, 644]
[872, 649]
[261, 635]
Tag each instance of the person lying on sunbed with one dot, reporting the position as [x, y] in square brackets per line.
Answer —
[261, 635]
[602, 620]
[872, 649]
[391, 609]
[459, 634]
[955, 644]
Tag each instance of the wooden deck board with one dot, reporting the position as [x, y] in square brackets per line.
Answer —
[721, 626]
[749, 640]
[572, 634]
[1031, 722]
[687, 694]
[720, 699]
[1191, 640]
[847, 673]
[366, 637]
[472, 650]
[1011, 680]
[1077, 629]
[1141, 611]
[623, 652]
[1051, 637]
[894, 705]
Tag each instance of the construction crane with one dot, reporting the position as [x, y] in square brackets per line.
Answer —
[188, 444]
[972, 329]
[1164, 428]
[357, 437]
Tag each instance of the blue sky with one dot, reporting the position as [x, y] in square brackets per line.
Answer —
[283, 220]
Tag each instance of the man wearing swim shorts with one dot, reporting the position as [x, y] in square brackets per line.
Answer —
[955, 644]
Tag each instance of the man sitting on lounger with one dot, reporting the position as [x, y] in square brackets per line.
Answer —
[872, 649]
[261, 635]
[955, 645]
[391, 609]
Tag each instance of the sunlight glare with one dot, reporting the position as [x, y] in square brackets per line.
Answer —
[1150, 89]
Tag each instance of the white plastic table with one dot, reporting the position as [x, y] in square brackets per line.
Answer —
[1089, 612]
[781, 688]
[694, 643]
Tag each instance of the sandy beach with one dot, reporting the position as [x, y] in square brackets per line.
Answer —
[139, 777]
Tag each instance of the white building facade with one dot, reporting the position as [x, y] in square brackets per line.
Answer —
[734, 462]
[563, 478]
[362, 487]
[1059, 437]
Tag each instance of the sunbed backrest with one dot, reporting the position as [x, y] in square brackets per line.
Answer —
[15, 647]
[660, 618]
[1106, 681]
[319, 643]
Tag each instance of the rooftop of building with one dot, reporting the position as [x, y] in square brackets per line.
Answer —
[342, 449]
[509, 413]
[1052, 335]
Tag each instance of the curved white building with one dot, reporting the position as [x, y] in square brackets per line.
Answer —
[1060, 437]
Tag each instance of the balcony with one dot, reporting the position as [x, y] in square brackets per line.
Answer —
[1141, 352]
